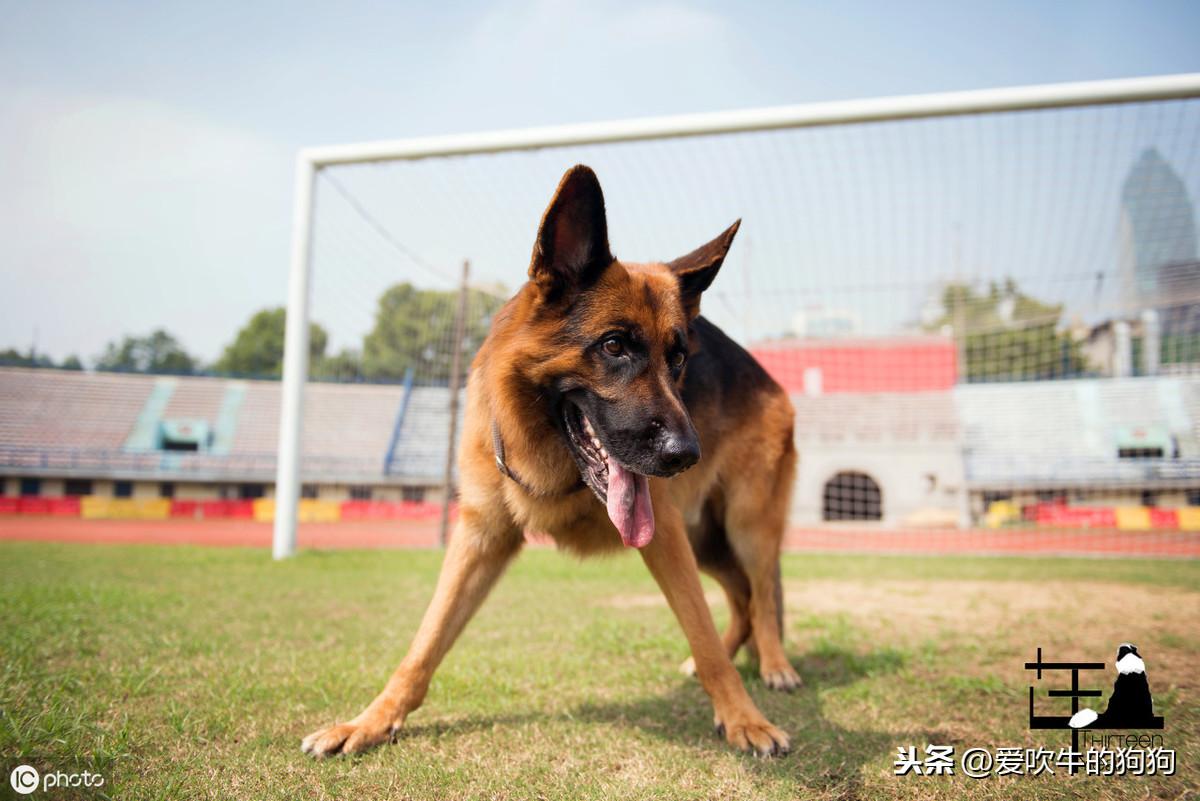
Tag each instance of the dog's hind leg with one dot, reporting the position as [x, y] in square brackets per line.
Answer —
[479, 550]
[737, 595]
[756, 517]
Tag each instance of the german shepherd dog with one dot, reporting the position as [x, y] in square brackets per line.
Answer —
[588, 408]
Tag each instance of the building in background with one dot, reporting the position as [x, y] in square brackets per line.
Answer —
[1158, 235]
[876, 428]
[1156, 327]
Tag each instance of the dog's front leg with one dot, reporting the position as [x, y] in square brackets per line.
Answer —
[478, 552]
[670, 559]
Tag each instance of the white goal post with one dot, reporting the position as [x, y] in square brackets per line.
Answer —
[311, 161]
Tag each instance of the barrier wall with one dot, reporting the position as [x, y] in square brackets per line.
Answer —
[53, 507]
[1000, 514]
[95, 507]
[311, 510]
[390, 510]
[1004, 514]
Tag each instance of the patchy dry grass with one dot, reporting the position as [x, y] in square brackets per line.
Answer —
[192, 673]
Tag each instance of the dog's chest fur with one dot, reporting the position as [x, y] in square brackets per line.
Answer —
[578, 523]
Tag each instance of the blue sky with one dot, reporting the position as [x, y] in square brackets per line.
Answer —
[149, 145]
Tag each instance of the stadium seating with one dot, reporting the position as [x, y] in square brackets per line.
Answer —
[1064, 432]
[347, 428]
[421, 450]
[917, 417]
[83, 411]
[1034, 435]
[83, 421]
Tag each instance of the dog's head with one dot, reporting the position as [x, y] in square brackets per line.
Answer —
[620, 333]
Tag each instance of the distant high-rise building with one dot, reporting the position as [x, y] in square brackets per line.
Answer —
[1158, 234]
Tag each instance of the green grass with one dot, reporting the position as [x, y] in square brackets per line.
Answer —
[193, 673]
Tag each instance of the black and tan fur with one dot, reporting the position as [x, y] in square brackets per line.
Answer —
[679, 394]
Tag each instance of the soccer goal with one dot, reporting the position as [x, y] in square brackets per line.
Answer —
[985, 305]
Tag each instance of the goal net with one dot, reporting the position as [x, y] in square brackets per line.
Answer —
[988, 321]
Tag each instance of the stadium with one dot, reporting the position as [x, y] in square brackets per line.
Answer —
[903, 447]
[982, 304]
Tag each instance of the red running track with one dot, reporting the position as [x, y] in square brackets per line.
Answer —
[423, 534]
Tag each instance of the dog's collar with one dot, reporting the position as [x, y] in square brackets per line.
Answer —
[508, 472]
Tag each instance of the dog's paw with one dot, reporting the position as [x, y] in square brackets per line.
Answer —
[688, 667]
[781, 677]
[347, 738]
[758, 736]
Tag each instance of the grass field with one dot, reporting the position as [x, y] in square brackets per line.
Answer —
[182, 672]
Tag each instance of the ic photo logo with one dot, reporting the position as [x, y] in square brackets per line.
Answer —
[24, 779]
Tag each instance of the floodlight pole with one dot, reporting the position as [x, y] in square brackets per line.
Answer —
[460, 322]
[295, 363]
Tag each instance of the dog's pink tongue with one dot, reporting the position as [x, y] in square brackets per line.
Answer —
[629, 505]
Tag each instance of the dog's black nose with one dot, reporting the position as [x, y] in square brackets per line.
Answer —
[678, 452]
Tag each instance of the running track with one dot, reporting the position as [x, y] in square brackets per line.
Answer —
[423, 534]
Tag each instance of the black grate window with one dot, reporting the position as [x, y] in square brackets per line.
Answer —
[853, 496]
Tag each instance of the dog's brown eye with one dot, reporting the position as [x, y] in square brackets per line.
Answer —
[613, 347]
[678, 359]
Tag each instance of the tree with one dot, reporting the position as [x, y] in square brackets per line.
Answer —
[415, 328]
[14, 358]
[1006, 335]
[158, 352]
[345, 365]
[258, 347]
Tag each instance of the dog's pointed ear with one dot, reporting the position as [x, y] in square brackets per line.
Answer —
[696, 271]
[572, 241]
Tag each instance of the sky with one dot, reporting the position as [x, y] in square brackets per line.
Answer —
[149, 146]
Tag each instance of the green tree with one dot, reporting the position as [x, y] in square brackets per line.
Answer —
[1007, 335]
[14, 358]
[158, 352]
[346, 365]
[415, 328]
[258, 347]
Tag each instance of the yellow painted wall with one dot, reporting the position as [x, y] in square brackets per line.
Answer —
[311, 510]
[1133, 518]
[97, 507]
